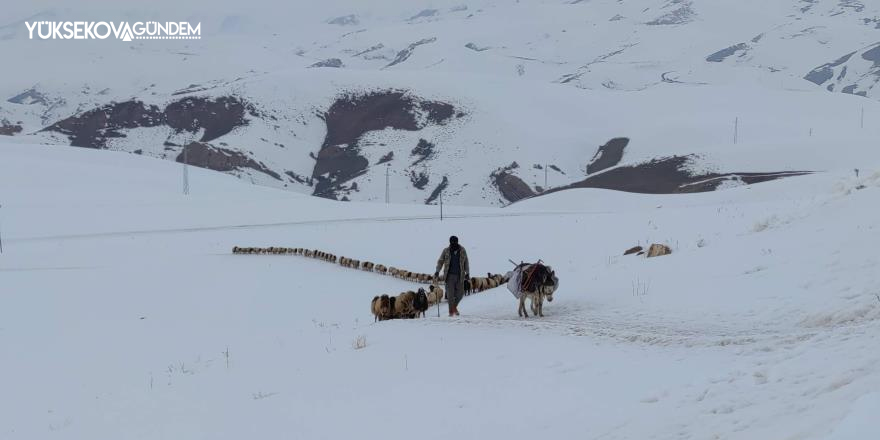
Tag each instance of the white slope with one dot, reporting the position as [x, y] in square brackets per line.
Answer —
[541, 81]
[123, 313]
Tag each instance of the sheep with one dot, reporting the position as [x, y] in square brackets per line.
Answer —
[420, 303]
[381, 269]
[403, 305]
[367, 266]
[381, 307]
[435, 294]
[374, 308]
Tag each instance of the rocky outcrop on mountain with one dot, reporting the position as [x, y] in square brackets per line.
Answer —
[856, 73]
[204, 155]
[9, 129]
[607, 155]
[351, 116]
[669, 175]
[511, 187]
[93, 128]
[435, 194]
[725, 53]
[329, 62]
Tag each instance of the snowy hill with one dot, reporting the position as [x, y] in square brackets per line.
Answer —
[471, 100]
[124, 314]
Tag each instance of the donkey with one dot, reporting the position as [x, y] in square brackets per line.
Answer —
[538, 282]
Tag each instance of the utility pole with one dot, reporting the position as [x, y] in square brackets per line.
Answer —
[185, 172]
[1, 238]
[735, 130]
[441, 206]
[862, 125]
[545, 177]
[387, 187]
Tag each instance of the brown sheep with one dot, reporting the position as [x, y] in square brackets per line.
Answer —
[381, 308]
[403, 305]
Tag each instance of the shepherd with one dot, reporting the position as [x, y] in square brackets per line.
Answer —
[454, 261]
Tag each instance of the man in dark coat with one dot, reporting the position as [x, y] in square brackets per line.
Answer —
[454, 261]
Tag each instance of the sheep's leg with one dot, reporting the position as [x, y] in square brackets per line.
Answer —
[522, 306]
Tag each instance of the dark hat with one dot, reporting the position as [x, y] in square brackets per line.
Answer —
[453, 240]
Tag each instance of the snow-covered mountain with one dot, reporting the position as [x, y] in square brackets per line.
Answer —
[484, 102]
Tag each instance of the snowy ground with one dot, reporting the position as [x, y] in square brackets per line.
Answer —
[123, 313]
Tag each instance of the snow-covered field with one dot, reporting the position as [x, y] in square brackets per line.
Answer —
[124, 315]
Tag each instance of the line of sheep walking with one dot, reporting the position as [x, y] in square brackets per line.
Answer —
[471, 285]
[408, 304]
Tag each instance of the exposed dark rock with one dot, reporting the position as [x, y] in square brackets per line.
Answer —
[425, 13]
[437, 191]
[608, 155]
[474, 47]
[138, 151]
[351, 116]
[633, 250]
[668, 175]
[218, 117]
[386, 158]
[29, 97]
[826, 71]
[873, 55]
[9, 129]
[205, 155]
[329, 62]
[510, 186]
[439, 112]
[556, 168]
[345, 20]
[424, 150]
[93, 128]
[298, 178]
[370, 49]
[684, 13]
[404, 54]
[419, 180]
[723, 54]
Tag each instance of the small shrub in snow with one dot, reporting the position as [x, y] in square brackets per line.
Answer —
[359, 343]
[764, 224]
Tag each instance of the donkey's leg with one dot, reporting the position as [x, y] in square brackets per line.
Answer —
[522, 306]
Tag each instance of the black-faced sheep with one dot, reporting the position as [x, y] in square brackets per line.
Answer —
[435, 294]
[420, 303]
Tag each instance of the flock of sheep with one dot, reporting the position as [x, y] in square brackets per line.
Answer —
[408, 304]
